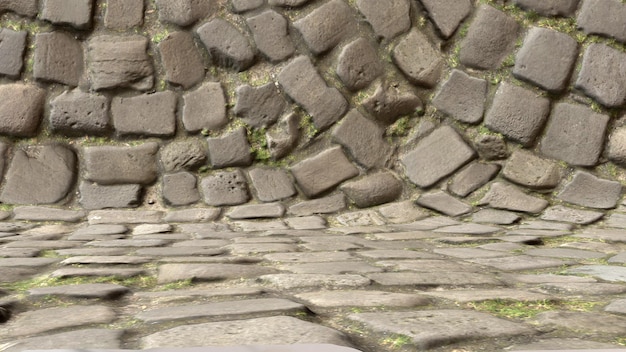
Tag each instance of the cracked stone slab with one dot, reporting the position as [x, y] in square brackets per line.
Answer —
[324, 171]
[388, 19]
[588, 190]
[227, 46]
[603, 75]
[463, 97]
[391, 100]
[418, 59]
[326, 26]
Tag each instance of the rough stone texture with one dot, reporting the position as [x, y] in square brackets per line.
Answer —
[20, 109]
[490, 38]
[326, 26]
[491, 147]
[270, 31]
[145, 115]
[492, 216]
[121, 165]
[305, 86]
[229, 150]
[123, 14]
[605, 18]
[616, 147]
[388, 19]
[436, 156]
[604, 272]
[225, 188]
[95, 196]
[590, 191]
[183, 12]
[255, 211]
[322, 172]
[181, 60]
[86, 338]
[180, 188]
[77, 113]
[105, 291]
[209, 272]
[358, 64]
[517, 113]
[119, 61]
[390, 101]
[402, 212]
[327, 205]
[282, 138]
[418, 59]
[447, 14]
[462, 97]
[564, 8]
[508, 197]
[188, 154]
[374, 189]
[577, 216]
[443, 203]
[227, 46]
[192, 215]
[76, 13]
[363, 139]
[245, 5]
[39, 174]
[529, 170]
[259, 106]
[12, 45]
[271, 184]
[58, 58]
[581, 321]
[575, 134]
[205, 108]
[471, 178]
[546, 59]
[603, 75]
[27, 8]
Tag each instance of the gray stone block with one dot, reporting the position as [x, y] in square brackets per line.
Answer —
[180, 189]
[205, 108]
[326, 26]
[358, 64]
[123, 14]
[590, 191]
[490, 38]
[227, 46]
[245, 5]
[259, 106]
[436, 156]
[4, 150]
[58, 58]
[390, 101]
[603, 17]
[256, 211]
[182, 12]
[375, 189]
[95, 196]
[283, 137]
[187, 154]
[121, 165]
[76, 13]
[75, 113]
[26, 8]
[194, 215]
[509, 197]
[271, 184]
[225, 188]
[443, 203]
[323, 171]
[564, 8]
[529, 170]
[326, 205]
[21, 108]
[418, 59]
[566, 214]
[575, 134]
[145, 115]
[546, 59]
[462, 97]
[603, 75]
[491, 147]
[388, 19]
[12, 45]
[363, 139]
[447, 15]
[231, 149]
[517, 113]
[270, 31]
[181, 60]
[616, 147]
[471, 178]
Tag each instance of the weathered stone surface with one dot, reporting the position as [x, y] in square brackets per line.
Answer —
[227, 46]
[529, 170]
[581, 321]
[363, 218]
[271, 184]
[603, 272]
[436, 156]
[182, 12]
[291, 281]
[564, 253]
[338, 299]
[77, 113]
[314, 222]
[576, 216]
[471, 178]
[324, 171]
[209, 272]
[590, 191]
[58, 58]
[121, 165]
[381, 187]
[550, 7]
[617, 306]
[326, 26]
[331, 268]
[39, 174]
[76, 13]
[123, 14]
[188, 154]
[418, 59]
[180, 188]
[469, 229]
[604, 18]
[225, 188]
[491, 147]
[517, 113]
[12, 45]
[205, 108]
[503, 196]
[96, 230]
[466, 296]
[119, 61]
[94, 196]
[617, 220]
[27, 262]
[603, 75]
[192, 215]
[388, 19]
[32, 213]
[245, 5]
[390, 101]
[258, 226]
[305, 86]
[358, 64]
[145, 115]
[270, 31]
[259, 106]
[86, 338]
[447, 14]
[402, 212]
[106, 291]
[616, 147]
[254, 211]
[283, 137]
[27, 8]
[520, 263]
[326, 205]
[462, 97]
[181, 60]
[490, 38]
[444, 203]
[21, 109]
[231, 149]
[363, 139]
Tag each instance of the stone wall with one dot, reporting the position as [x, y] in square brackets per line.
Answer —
[314, 106]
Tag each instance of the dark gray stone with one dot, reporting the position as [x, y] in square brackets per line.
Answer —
[378, 188]
[447, 14]
[518, 113]
[471, 178]
[358, 64]
[575, 134]
[231, 149]
[95, 196]
[320, 173]
[271, 184]
[245, 5]
[12, 45]
[605, 18]
[391, 101]
[121, 165]
[119, 61]
[444, 203]
[603, 75]
[188, 154]
[576, 216]
[181, 60]
[491, 147]
[76, 13]
[616, 147]
[227, 46]
[105, 291]
[305, 86]
[257, 211]
[145, 115]
[418, 59]
[123, 14]
[508, 197]
[436, 156]
[86, 338]
[225, 188]
[205, 108]
[39, 174]
[58, 58]
[590, 191]
[259, 106]
[75, 113]
[564, 8]
[21, 109]
[32, 213]
[326, 205]
[529, 170]
[270, 31]
[490, 38]
[27, 8]
[363, 139]
[546, 59]
[462, 97]
[388, 19]
[180, 188]
[287, 3]
[326, 26]
[183, 12]
[284, 136]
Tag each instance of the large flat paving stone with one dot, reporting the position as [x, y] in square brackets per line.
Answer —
[330, 268]
[588, 190]
[527, 169]
[293, 281]
[519, 262]
[77, 113]
[121, 165]
[76, 13]
[270, 31]
[259, 106]
[209, 272]
[573, 215]
[181, 60]
[602, 75]
[509, 197]
[86, 338]
[590, 322]
[604, 272]
[465, 296]
[271, 184]
[106, 217]
[326, 26]
[104, 291]
[96, 272]
[444, 203]
[472, 177]
[35, 213]
[346, 298]
[123, 14]
[363, 139]
[204, 108]
[432, 279]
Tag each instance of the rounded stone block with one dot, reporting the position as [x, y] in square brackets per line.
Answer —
[358, 64]
[121, 165]
[418, 59]
[12, 45]
[259, 106]
[58, 58]
[590, 191]
[205, 108]
[21, 108]
[323, 172]
[227, 46]
[181, 60]
[326, 26]
[447, 15]
[76, 13]
[180, 189]
[183, 12]
[77, 113]
[145, 115]
[388, 18]
[463, 97]
[225, 188]
[231, 149]
[379, 188]
[270, 31]
[603, 75]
